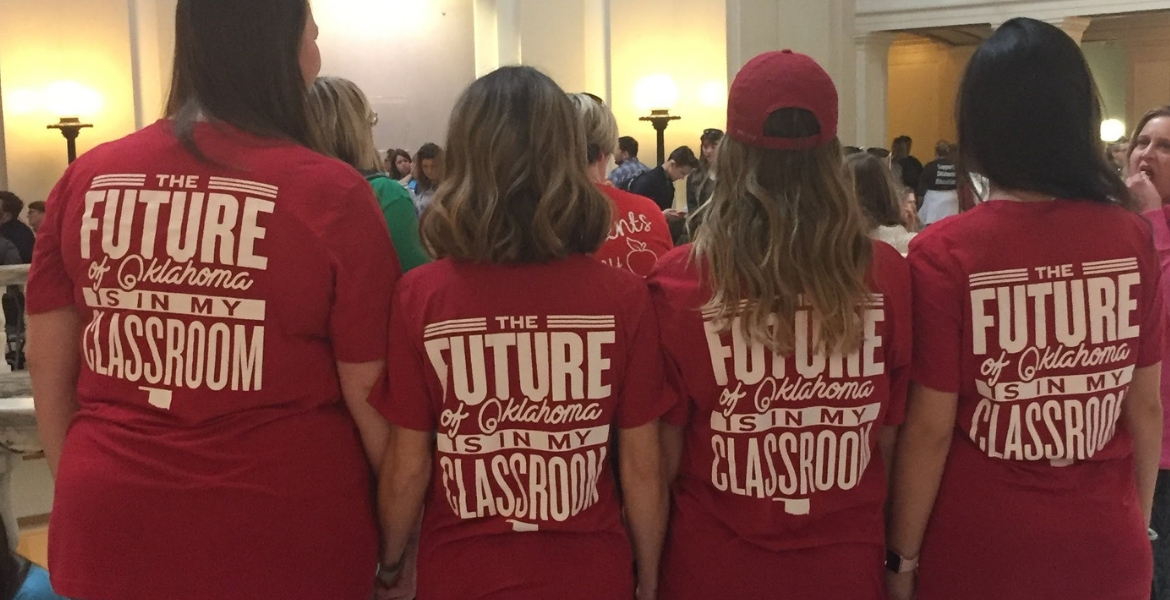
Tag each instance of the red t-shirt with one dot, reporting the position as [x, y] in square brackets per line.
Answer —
[780, 451]
[522, 370]
[1036, 315]
[212, 455]
[639, 236]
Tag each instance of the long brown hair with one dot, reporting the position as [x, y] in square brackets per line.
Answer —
[516, 188]
[877, 192]
[238, 63]
[782, 230]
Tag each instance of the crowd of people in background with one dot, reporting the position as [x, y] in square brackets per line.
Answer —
[492, 370]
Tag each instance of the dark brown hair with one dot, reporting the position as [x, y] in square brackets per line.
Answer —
[516, 187]
[392, 162]
[238, 62]
[429, 151]
[877, 193]
[11, 204]
[1029, 116]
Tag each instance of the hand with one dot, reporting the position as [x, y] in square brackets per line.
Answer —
[901, 585]
[674, 212]
[1144, 192]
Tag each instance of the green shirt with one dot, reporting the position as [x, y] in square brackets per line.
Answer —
[398, 207]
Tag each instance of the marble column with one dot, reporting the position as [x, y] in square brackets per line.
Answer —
[873, 76]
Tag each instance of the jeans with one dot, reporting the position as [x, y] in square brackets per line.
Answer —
[1160, 522]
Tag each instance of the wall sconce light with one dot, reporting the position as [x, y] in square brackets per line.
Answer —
[1112, 130]
[658, 94]
[72, 99]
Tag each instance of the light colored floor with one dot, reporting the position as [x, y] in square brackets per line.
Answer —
[34, 545]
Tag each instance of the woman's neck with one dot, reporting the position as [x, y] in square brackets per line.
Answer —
[597, 171]
[998, 193]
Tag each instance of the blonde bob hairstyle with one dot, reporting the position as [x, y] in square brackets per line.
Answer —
[343, 123]
[516, 188]
[601, 128]
[782, 231]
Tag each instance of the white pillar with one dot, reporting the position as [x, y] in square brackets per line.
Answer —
[873, 75]
[497, 34]
[598, 49]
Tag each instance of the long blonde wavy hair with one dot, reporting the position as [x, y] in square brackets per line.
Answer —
[516, 187]
[783, 229]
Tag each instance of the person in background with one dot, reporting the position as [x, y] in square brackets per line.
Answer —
[911, 168]
[639, 235]
[513, 268]
[701, 182]
[881, 199]
[1149, 182]
[938, 187]
[1118, 153]
[427, 172]
[36, 214]
[219, 446]
[628, 166]
[1027, 464]
[401, 167]
[657, 184]
[880, 153]
[13, 229]
[761, 318]
[342, 121]
[20, 579]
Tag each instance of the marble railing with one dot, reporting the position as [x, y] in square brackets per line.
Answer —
[18, 425]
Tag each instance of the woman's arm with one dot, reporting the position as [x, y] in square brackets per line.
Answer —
[646, 499]
[54, 362]
[402, 486]
[357, 382]
[672, 449]
[1142, 412]
[918, 468]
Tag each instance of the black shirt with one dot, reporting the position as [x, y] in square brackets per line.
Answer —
[938, 176]
[911, 171]
[656, 185]
[21, 236]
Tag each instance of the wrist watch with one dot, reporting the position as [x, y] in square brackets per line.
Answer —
[896, 563]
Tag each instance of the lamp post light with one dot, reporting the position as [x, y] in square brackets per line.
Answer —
[70, 128]
[660, 118]
[657, 93]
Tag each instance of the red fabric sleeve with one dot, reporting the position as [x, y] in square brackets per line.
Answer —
[408, 402]
[365, 269]
[662, 242]
[894, 280]
[49, 285]
[938, 319]
[643, 397]
[1150, 341]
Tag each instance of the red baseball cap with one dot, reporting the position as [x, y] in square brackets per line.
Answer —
[776, 80]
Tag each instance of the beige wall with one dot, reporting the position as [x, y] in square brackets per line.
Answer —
[411, 57]
[685, 39]
[44, 41]
[924, 80]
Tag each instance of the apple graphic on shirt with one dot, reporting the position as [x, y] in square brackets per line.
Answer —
[641, 258]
